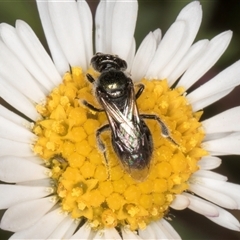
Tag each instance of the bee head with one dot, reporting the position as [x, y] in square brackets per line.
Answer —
[103, 62]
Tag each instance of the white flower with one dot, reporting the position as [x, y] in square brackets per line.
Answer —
[36, 199]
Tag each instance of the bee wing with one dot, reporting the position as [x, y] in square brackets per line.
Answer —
[131, 110]
[113, 112]
[121, 121]
[130, 113]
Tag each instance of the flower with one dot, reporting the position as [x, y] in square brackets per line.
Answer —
[64, 187]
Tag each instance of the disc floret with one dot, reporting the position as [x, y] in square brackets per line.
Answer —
[104, 194]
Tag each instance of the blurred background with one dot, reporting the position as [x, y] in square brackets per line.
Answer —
[218, 16]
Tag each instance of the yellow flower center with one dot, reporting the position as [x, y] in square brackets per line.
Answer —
[104, 194]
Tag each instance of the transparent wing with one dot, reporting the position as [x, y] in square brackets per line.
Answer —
[128, 116]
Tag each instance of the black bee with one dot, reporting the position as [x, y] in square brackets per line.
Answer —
[131, 137]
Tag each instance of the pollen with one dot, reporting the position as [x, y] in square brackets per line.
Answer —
[109, 218]
[103, 193]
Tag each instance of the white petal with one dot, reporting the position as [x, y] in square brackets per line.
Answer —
[202, 103]
[209, 100]
[223, 146]
[123, 25]
[230, 189]
[157, 35]
[35, 159]
[43, 228]
[192, 55]
[13, 117]
[180, 202]
[107, 233]
[14, 148]
[222, 83]
[227, 121]
[72, 228]
[131, 55]
[128, 234]
[15, 169]
[54, 46]
[225, 219]
[189, 12]
[201, 206]
[62, 228]
[16, 99]
[171, 232]
[214, 196]
[83, 232]
[14, 132]
[15, 73]
[213, 136]
[68, 29]
[148, 232]
[111, 233]
[14, 43]
[143, 57]
[45, 182]
[103, 22]
[192, 16]
[24, 215]
[37, 51]
[99, 235]
[212, 53]
[159, 230]
[210, 174]
[100, 27]
[14, 194]
[86, 23]
[209, 162]
[167, 48]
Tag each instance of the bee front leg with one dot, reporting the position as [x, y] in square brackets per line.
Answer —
[140, 90]
[164, 128]
[90, 78]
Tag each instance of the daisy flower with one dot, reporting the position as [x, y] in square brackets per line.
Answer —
[58, 183]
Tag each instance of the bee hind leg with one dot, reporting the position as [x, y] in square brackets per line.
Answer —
[164, 128]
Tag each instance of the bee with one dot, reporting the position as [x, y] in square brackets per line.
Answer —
[130, 136]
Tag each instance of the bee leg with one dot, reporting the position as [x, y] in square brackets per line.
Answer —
[90, 78]
[101, 145]
[164, 128]
[90, 106]
[102, 129]
[140, 90]
[60, 159]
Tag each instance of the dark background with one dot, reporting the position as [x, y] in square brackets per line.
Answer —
[218, 16]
